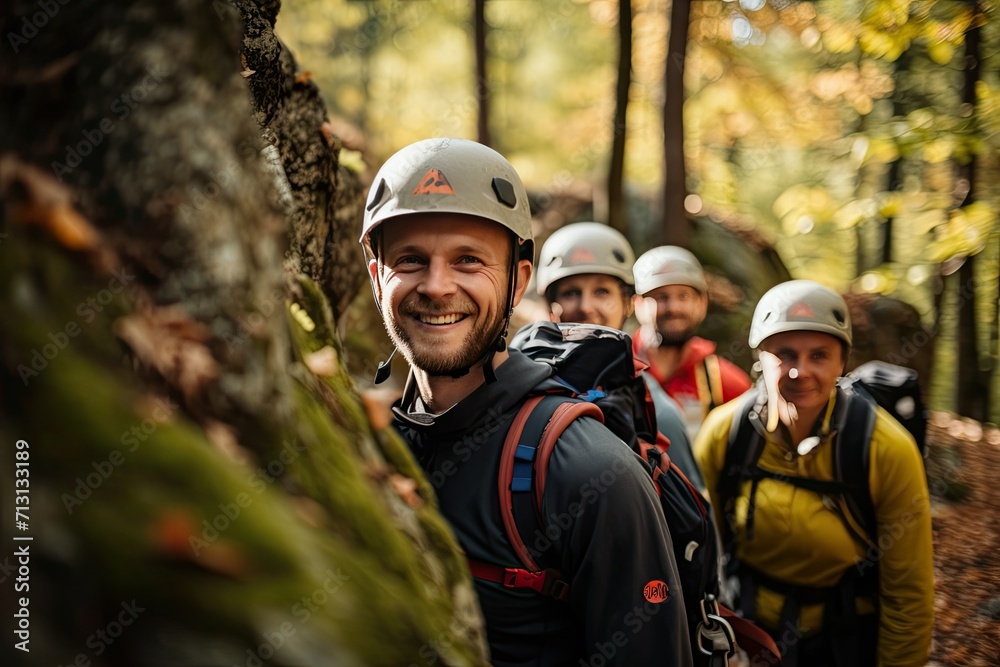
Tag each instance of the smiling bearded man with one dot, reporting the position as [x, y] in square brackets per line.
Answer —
[447, 235]
[445, 325]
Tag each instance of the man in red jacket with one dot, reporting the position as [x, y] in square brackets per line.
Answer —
[672, 299]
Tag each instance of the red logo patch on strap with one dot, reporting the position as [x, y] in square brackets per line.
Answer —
[656, 591]
[434, 182]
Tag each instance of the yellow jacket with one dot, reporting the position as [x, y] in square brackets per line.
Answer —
[801, 540]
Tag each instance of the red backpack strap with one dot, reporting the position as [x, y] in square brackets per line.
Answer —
[564, 415]
[524, 468]
[760, 647]
[506, 480]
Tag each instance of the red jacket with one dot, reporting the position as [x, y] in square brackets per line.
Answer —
[702, 381]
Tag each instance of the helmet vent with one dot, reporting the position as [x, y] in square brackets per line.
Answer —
[504, 192]
[619, 255]
[839, 316]
[374, 200]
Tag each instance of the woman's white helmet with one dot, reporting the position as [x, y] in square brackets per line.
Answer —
[800, 305]
[584, 247]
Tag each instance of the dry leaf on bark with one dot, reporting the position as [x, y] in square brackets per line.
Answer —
[169, 341]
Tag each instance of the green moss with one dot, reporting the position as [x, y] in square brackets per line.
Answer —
[315, 303]
[217, 546]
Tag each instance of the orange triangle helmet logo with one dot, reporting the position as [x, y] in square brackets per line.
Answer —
[801, 309]
[434, 182]
[582, 256]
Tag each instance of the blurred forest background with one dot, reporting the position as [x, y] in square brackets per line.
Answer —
[859, 139]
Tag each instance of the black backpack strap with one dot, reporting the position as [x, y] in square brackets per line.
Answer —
[854, 417]
[742, 451]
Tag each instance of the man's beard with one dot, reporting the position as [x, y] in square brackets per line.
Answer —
[674, 337]
[442, 362]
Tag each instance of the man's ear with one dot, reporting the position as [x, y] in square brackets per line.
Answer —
[523, 276]
[376, 283]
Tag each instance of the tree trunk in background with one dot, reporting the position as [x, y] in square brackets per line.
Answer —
[617, 217]
[973, 380]
[893, 178]
[199, 457]
[482, 83]
[676, 227]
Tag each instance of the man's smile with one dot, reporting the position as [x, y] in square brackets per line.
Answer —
[439, 320]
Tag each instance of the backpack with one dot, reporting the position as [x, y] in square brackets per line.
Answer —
[897, 390]
[858, 394]
[595, 374]
[872, 384]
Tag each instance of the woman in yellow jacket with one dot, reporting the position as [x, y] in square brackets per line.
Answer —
[831, 592]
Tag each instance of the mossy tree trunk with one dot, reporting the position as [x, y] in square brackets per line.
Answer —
[175, 248]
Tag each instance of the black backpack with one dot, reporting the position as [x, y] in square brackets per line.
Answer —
[872, 384]
[897, 390]
[595, 374]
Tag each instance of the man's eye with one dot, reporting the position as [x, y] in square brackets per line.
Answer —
[601, 292]
[570, 294]
[469, 259]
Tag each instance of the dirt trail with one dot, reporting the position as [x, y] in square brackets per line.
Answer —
[965, 455]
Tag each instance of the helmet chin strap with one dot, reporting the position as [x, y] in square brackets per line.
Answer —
[384, 369]
[500, 344]
[489, 374]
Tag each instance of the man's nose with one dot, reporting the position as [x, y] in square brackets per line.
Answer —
[438, 280]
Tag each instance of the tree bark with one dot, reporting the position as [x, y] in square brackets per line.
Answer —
[973, 380]
[199, 457]
[676, 226]
[482, 83]
[616, 172]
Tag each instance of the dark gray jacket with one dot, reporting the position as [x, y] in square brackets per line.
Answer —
[603, 529]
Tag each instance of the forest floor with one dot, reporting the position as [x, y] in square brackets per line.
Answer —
[964, 464]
